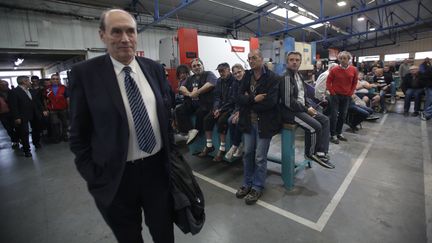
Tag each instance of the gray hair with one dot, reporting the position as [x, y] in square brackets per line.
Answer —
[345, 53]
[21, 79]
[106, 12]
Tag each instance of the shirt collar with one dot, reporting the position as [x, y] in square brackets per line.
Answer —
[118, 66]
[24, 88]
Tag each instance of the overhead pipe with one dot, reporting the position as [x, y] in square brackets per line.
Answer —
[184, 4]
[338, 38]
[337, 17]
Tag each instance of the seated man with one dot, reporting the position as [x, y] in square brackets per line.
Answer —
[358, 112]
[198, 100]
[225, 96]
[412, 86]
[363, 91]
[384, 84]
[295, 108]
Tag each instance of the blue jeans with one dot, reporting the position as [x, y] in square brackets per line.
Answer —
[255, 159]
[428, 112]
[235, 133]
[416, 93]
[428, 101]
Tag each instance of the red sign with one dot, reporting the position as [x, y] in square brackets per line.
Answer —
[140, 53]
[237, 49]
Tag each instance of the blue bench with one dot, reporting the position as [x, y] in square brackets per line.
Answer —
[287, 159]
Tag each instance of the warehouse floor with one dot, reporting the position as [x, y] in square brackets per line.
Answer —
[376, 193]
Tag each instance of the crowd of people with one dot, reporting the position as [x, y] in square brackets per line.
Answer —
[43, 106]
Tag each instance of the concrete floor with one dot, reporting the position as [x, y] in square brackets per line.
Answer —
[382, 200]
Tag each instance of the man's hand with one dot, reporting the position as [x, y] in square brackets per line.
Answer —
[18, 121]
[216, 113]
[311, 111]
[194, 94]
[260, 97]
[45, 113]
[235, 118]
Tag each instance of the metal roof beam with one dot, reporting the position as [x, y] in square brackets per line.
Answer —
[182, 5]
[337, 17]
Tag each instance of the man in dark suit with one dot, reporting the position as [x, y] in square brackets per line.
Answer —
[120, 133]
[26, 108]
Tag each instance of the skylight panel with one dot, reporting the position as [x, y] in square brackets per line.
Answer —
[255, 3]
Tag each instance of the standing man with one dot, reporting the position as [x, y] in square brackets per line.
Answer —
[5, 114]
[296, 108]
[404, 68]
[26, 108]
[57, 104]
[259, 120]
[121, 136]
[341, 83]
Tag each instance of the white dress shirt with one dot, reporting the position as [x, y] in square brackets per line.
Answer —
[134, 152]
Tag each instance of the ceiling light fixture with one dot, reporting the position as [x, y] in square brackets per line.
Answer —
[19, 61]
[340, 3]
[372, 28]
[360, 17]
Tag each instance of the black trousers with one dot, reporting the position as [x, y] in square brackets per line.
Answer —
[183, 115]
[338, 111]
[58, 124]
[144, 188]
[23, 133]
[8, 123]
[222, 122]
[317, 132]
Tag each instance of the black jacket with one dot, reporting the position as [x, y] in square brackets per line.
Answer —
[22, 107]
[225, 94]
[99, 125]
[288, 92]
[411, 82]
[269, 122]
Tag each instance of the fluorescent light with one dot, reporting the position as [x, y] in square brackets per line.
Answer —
[15, 68]
[360, 18]
[302, 19]
[341, 3]
[316, 26]
[372, 29]
[256, 3]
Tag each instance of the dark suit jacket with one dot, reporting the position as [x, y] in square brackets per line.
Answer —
[22, 107]
[99, 127]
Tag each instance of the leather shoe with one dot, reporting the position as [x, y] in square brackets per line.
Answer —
[27, 154]
[219, 156]
[206, 151]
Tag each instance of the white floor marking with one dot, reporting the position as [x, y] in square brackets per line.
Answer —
[427, 172]
[327, 213]
[325, 216]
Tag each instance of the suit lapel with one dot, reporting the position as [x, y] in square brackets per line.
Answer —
[110, 80]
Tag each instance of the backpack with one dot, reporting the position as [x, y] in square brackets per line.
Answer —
[188, 198]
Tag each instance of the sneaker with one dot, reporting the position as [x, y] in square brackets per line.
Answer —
[415, 113]
[206, 151]
[385, 111]
[406, 113]
[334, 140]
[242, 192]
[372, 118]
[423, 116]
[192, 134]
[252, 197]
[342, 138]
[321, 162]
[392, 100]
[219, 156]
[27, 154]
[15, 145]
[230, 153]
[239, 152]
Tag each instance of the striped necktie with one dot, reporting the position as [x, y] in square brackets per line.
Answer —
[143, 128]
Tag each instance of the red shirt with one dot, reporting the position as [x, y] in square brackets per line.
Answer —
[342, 81]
